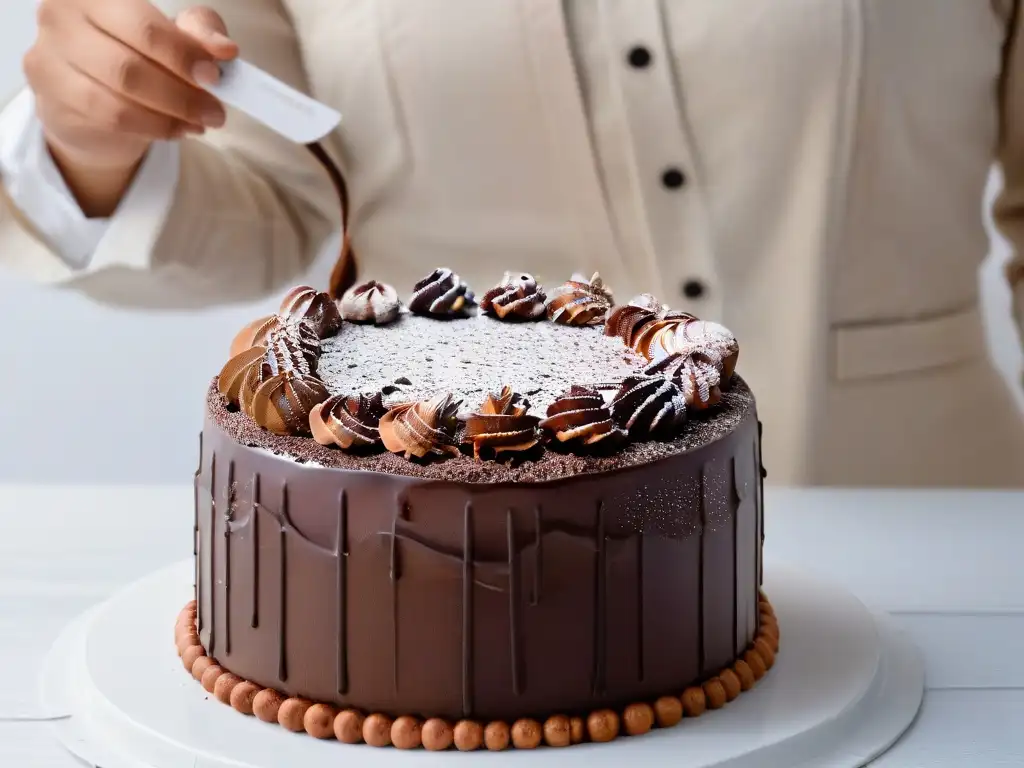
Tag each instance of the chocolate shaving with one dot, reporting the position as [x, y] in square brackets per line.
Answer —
[516, 297]
[442, 294]
[649, 406]
[580, 302]
[422, 429]
[370, 302]
[348, 421]
[580, 419]
[502, 425]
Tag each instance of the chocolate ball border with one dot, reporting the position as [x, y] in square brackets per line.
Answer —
[351, 726]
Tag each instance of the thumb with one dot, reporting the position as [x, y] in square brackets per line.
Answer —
[208, 28]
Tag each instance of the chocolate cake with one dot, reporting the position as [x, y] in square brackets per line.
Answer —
[517, 519]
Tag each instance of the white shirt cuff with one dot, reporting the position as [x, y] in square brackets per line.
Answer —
[37, 188]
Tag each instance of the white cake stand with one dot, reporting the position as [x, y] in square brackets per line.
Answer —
[844, 687]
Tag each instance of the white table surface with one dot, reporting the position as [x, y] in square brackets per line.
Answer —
[948, 566]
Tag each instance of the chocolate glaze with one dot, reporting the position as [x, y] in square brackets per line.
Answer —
[435, 597]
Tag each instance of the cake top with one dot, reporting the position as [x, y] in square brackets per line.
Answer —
[471, 358]
[503, 381]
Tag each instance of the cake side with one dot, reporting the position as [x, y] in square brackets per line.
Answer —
[404, 594]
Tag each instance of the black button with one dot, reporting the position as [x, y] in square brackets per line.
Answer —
[693, 289]
[673, 178]
[639, 57]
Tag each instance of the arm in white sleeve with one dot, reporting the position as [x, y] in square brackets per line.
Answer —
[248, 212]
[36, 187]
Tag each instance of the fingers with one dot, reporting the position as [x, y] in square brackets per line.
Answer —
[85, 104]
[207, 26]
[152, 34]
[127, 73]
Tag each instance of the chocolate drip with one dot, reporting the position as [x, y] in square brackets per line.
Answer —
[702, 657]
[401, 512]
[538, 559]
[737, 603]
[760, 504]
[341, 564]
[514, 639]
[640, 606]
[600, 604]
[213, 552]
[345, 270]
[393, 564]
[467, 610]
[758, 533]
[282, 659]
[228, 516]
[254, 538]
[195, 535]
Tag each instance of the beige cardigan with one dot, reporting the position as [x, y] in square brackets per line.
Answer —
[832, 158]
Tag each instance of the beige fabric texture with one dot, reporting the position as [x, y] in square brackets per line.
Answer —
[835, 156]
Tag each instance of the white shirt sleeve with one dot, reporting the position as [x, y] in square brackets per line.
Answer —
[37, 188]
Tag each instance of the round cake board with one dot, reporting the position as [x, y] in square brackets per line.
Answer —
[845, 686]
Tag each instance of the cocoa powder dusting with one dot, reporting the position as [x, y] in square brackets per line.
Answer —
[470, 357]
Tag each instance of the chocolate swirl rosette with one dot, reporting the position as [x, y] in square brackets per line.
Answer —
[282, 403]
[370, 302]
[639, 322]
[350, 422]
[316, 308]
[649, 407]
[697, 374]
[580, 302]
[516, 297]
[275, 383]
[581, 420]
[441, 294]
[502, 425]
[421, 429]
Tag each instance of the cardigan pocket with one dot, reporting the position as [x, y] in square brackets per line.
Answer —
[876, 349]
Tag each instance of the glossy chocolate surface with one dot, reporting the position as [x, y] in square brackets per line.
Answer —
[434, 597]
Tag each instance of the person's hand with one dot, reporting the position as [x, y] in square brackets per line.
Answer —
[111, 77]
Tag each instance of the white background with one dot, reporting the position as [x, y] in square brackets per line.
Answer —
[80, 384]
